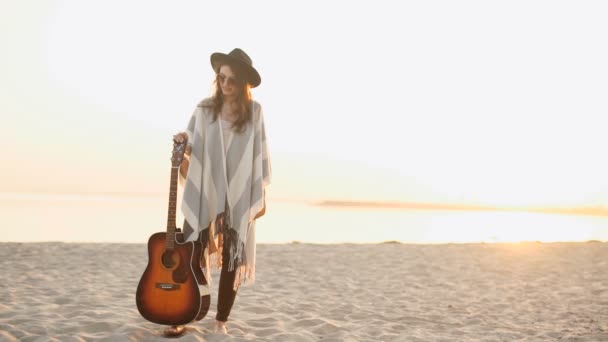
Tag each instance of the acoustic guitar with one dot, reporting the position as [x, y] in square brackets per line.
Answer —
[173, 289]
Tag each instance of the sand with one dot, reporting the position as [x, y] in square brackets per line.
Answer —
[306, 292]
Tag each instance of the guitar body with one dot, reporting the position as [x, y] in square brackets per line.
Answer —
[173, 289]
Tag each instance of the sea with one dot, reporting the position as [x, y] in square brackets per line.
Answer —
[132, 219]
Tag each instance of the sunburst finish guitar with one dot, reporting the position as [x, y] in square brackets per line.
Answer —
[173, 289]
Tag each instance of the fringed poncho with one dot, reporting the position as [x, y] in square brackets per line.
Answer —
[236, 177]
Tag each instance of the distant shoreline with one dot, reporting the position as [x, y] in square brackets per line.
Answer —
[592, 211]
[396, 205]
[295, 242]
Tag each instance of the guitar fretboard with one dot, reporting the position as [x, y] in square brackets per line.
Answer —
[171, 225]
[176, 160]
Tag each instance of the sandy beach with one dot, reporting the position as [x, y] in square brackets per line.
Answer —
[306, 292]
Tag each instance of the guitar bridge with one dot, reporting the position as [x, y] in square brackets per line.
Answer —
[167, 286]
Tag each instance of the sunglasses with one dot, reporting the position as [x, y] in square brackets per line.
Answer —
[223, 78]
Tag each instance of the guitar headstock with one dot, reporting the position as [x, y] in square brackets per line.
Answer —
[178, 153]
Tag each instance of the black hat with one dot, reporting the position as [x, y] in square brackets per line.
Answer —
[237, 56]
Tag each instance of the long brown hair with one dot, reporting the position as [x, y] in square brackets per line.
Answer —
[243, 99]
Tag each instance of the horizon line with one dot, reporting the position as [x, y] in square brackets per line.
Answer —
[377, 204]
[569, 210]
[297, 242]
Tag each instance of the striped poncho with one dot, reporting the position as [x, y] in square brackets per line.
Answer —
[236, 176]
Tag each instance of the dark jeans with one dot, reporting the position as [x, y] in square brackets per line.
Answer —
[226, 293]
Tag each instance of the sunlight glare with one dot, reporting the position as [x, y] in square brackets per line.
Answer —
[508, 226]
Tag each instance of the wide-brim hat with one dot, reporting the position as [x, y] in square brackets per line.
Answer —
[237, 56]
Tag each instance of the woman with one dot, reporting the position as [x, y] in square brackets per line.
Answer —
[224, 174]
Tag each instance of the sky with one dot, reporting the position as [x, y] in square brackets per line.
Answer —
[473, 102]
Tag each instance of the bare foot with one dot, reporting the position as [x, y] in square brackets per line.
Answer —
[175, 330]
[220, 328]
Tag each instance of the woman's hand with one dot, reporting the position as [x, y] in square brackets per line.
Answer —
[180, 137]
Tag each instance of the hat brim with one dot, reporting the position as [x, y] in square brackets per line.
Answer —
[252, 75]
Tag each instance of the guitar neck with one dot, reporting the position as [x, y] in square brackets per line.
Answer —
[171, 226]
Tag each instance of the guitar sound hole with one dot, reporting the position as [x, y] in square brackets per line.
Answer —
[168, 260]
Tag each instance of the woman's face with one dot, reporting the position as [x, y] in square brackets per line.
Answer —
[227, 81]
